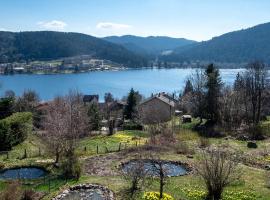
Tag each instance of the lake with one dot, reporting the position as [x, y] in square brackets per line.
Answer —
[146, 81]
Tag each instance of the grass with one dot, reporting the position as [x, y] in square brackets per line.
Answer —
[88, 146]
[252, 180]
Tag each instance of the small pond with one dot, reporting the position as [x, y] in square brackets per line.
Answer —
[23, 173]
[171, 168]
[86, 192]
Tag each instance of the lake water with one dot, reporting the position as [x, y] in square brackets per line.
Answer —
[146, 81]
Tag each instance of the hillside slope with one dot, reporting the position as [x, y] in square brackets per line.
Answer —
[47, 45]
[238, 46]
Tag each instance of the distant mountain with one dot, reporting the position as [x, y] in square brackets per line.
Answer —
[149, 45]
[48, 45]
[238, 46]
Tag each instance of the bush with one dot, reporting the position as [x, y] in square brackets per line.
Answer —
[155, 196]
[2, 165]
[28, 195]
[14, 129]
[204, 142]
[183, 148]
[132, 126]
[13, 191]
[71, 167]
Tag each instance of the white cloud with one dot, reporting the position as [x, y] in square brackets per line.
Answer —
[112, 26]
[3, 29]
[52, 25]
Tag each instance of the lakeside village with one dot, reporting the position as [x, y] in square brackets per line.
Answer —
[65, 65]
[211, 142]
[87, 63]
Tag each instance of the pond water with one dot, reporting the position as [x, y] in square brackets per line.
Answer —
[146, 81]
[23, 173]
[89, 194]
[170, 168]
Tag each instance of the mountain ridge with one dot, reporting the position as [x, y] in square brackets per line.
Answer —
[47, 45]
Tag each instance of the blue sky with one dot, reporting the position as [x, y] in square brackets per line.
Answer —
[192, 19]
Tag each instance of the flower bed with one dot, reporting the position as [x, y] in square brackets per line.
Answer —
[155, 196]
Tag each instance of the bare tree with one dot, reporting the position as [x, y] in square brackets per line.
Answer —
[160, 171]
[65, 123]
[135, 174]
[256, 83]
[196, 98]
[55, 126]
[218, 169]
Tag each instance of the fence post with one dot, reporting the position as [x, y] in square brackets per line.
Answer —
[119, 147]
[97, 148]
[85, 148]
[7, 155]
[49, 184]
[25, 153]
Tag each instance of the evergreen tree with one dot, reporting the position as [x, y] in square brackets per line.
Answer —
[6, 107]
[188, 87]
[130, 109]
[94, 116]
[238, 83]
[213, 90]
[108, 97]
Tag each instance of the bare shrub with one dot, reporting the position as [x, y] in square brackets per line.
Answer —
[13, 191]
[218, 169]
[183, 148]
[135, 175]
[267, 179]
[204, 142]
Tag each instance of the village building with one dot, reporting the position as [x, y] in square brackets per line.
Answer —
[157, 109]
[91, 99]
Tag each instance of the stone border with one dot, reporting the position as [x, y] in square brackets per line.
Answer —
[187, 166]
[107, 193]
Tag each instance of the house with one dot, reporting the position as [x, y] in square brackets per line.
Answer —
[91, 98]
[113, 111]
[186, 118]
[157, 109]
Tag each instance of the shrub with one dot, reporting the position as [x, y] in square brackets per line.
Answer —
[183, 148]
[14, 129]
[13, 191]
[132, 126]
[28, 195]
[71, 167]
[267, 179]
[2, 165]
[204, 142]
[155, 196]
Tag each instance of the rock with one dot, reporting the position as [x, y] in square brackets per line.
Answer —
[267, 167]
[251, 144]
[190, 156]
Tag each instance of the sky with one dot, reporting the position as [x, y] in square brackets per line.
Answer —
[192, 19]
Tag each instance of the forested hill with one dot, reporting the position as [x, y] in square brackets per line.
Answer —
[48, 45]
[149, 45]
[239, 46]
